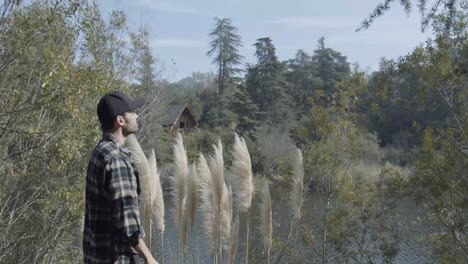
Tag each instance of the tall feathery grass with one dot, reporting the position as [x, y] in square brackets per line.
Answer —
[226, 219]
[202, 186]
[207, 202]
[143, 168]
[234, 240]
[297, 190]
[157, 198]
[181, 171]
[266, 219]
[192, 197]
[191, 200]
[241, 179]
[216, 163]
[241, 175]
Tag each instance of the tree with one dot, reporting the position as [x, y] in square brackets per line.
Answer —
[447, 8]
[302, 77]
[427, 90]
[266, 85]
[225, 44]
[152, 111]
[332, 68]
[56, 59]
[246, 110]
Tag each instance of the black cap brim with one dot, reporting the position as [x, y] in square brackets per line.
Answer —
[137, 104]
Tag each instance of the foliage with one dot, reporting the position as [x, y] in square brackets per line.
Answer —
[56, 58]
[225, 44]
[428, 13]
[265, 84]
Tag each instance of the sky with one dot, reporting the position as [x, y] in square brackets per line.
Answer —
[179, 29]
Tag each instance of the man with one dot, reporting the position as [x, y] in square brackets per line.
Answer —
[112, 231]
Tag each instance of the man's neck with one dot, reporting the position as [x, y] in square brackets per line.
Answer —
[119, 136]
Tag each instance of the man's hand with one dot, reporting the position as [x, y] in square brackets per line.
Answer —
[150, 260]
[145, 253]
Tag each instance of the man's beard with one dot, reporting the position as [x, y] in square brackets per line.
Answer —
[126, 131]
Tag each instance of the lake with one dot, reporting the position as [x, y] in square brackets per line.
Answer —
[412, 224]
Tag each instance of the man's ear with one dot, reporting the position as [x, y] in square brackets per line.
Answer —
[120, 120]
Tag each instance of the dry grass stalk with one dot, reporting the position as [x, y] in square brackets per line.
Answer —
[216, 162]
[297, 192]
[241, 178]
[143, 168]
[297, 184]
[234, 240]
[226, 217]
[266, 217]
[157, 195]
[241, 175]
[208, 202]
[192, 197]
[181, 170]
[157, 198]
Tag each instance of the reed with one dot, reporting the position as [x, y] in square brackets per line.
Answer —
[181, 170]
[241, 175]
[241, 178]
[216, 162]
[234, 240]
[266, 220]
[157, 195]
[207, 201]
[157, 198]
[297, 190]
[226, 217]
[144, 172]
[192, 197]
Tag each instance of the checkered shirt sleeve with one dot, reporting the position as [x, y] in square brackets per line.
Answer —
[124, 199]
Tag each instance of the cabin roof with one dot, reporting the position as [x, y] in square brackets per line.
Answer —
[173, 112]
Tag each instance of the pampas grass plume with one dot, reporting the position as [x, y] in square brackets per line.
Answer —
[144, 172]
[226, 216]
[266, 216]
[234, 240]
[181, 170]
[208, 202]
[216, 162]
[192, 197]
[297, 184]
[156, 193]
[241, 174]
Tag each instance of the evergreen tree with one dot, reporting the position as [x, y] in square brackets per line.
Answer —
[246, 110]
[302, 77]
[225, 44]
[145, 61]
[429, 13]
[266, 85]
[332, 68]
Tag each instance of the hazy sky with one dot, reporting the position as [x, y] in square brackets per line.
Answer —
[179, 29]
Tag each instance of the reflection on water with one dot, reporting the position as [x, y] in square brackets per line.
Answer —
[413, 226]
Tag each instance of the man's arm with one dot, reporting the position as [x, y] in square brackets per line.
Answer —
[145, 253]
[126, 212]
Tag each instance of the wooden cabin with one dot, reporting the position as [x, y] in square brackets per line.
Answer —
[179, 118]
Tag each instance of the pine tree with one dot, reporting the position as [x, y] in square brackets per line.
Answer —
[302, 77]
[266, 85]
[225, 44]
[332, 68]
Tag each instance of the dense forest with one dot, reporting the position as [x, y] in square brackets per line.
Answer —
[367, 140]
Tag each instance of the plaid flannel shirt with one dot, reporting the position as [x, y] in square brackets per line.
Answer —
[112, 217]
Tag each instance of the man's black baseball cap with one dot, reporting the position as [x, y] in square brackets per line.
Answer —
[114, 104]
